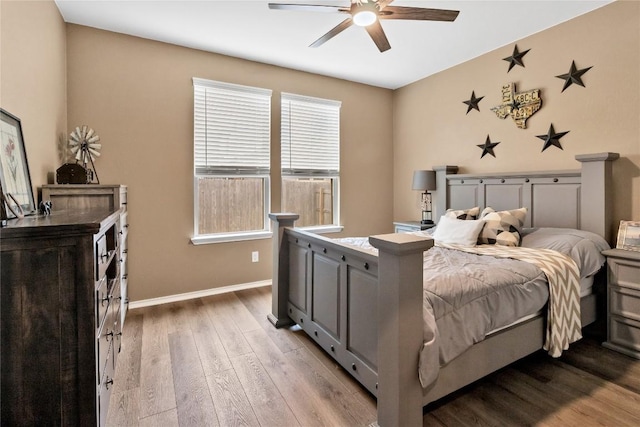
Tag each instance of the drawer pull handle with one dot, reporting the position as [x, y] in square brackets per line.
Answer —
[333, 349]
[107, 335]
[125, 251]
[124, 203]
[124, 276]
[315, 333]
[324, 250]
[126, 226]
[108, 382]
[120, 232]
[555, 179]
[366, 265]
[104, 256]
[301, 320]
[344, 258]
[354, 367]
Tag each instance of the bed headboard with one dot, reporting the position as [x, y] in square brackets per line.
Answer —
[573, 199]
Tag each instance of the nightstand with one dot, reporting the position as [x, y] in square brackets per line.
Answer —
[410, 226]
[623, 301]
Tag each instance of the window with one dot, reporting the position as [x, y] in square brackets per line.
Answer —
[310, 159]
[231, 161]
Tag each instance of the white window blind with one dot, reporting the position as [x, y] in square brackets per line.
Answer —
[231, 128]
[310, 132]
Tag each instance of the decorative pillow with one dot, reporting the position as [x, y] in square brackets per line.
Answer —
[503, 227]
[465, 214]
[457, 231]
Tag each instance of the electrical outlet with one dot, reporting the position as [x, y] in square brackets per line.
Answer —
[255, 256]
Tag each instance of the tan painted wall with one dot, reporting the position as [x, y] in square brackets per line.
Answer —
[138, 96]
[33, 79]
[431, 127]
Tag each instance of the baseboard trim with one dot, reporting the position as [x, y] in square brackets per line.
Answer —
[197, 294]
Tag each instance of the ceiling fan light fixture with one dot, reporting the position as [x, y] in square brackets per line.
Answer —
[364, 18]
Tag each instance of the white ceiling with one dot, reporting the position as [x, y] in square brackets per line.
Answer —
[249, 29]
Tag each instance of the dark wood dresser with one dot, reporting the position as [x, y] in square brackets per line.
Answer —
[60, 317]
[67, 197]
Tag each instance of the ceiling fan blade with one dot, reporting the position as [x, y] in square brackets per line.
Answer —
[379, 37]
[418, 13]
[308, 7]
[383, 3]
[333, 32]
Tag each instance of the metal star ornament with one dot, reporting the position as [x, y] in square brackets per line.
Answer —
[573, 76]
[473, 102]
[487, 147]
[515, 58]
[552, 138]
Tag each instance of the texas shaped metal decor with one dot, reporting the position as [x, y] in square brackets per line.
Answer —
[518, 105]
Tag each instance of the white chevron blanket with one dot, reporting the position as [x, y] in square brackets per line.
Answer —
[563, 318]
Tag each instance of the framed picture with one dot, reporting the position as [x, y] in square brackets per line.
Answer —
[629, 235]
[16, 192]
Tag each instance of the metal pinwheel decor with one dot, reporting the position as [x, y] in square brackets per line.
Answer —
[85, 145]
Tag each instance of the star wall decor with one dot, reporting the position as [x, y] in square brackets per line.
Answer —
[518, 105]
[487, 147]
[552, 138]
[515, 58]
[573, 76]
[473, 102]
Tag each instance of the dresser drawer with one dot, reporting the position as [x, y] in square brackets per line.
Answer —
[123, 198]
[124, 225]
[102, 257]
[117, 335]
[624, 332]
[102, 302]
[624, 273]
[104, 392]
[624, 302]
[104, 346]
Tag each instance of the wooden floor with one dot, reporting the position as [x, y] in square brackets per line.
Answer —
[218, 361]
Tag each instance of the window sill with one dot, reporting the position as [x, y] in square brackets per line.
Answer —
[322, 229]
[230, 237]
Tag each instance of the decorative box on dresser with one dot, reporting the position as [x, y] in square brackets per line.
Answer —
[73, 197]
[623, 308]
[60, 317]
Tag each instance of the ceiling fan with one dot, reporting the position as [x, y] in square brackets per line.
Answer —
[367, 14]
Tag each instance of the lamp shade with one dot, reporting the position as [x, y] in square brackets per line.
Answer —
[424, 180]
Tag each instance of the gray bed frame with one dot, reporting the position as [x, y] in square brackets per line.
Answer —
[364, 309]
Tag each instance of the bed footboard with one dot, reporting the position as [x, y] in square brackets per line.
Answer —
[358, 316]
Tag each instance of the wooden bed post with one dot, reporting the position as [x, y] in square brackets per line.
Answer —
[400, 332]
[596, 201]
[280, 275]
[441, 189]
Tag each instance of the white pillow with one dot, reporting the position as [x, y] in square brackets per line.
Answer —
[458, 231]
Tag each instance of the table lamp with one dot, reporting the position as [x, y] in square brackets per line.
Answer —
[425, 181]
